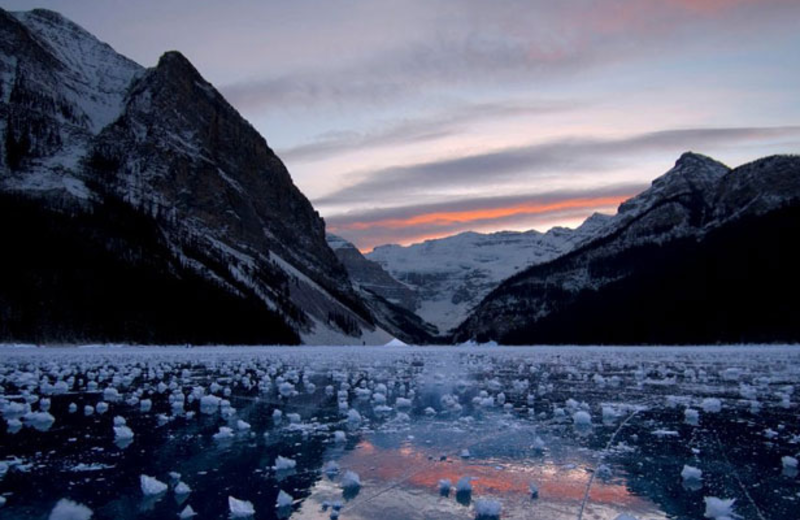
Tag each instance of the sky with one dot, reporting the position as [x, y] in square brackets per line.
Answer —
[404, 120]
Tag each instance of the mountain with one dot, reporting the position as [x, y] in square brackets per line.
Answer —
[156, 173]
[705, 255]
[391, 302]
[450, 276]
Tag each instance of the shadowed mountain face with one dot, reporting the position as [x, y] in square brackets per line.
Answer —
[705, 255]
[391, 302]
[84, 127]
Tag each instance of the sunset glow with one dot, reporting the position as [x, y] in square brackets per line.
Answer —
[445, 218]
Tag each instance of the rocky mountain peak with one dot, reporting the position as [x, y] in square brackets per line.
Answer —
[176, 64]
[87, 126]
[691, 183]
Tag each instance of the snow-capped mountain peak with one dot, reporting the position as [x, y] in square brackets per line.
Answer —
[451, 275]
[95, 76]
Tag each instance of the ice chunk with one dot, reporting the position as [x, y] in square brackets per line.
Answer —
[286, 389]
[182, 489]
[603, 471]
[223, 433]
[711, 405]
[151, 485]
[464, 485]
[488, 508]
[69, 510]
[111, 394]
[353, 417]
[187, 512]
[691, 473]
[284, 463]
[691, 416]
[609, 414]
[582, 418]
[123, 433]
[339, 436]
[284, 499]
[42, 421]
[240, 508]
[351, 480]
[625, 516]
[789, 462]
[331, 468]
[719, 508]
[242, 426]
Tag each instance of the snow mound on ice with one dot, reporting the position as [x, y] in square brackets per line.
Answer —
[69, 510]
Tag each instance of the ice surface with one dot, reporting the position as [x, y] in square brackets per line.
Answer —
[399, 422]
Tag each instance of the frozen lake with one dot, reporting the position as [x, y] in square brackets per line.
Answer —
[366, 433]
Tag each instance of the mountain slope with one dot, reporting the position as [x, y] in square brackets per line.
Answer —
[391, 302]
[704, 255]
[86, 127]
[452, 275]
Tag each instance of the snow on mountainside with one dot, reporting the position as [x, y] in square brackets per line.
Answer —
[82, 127]
[452, 275]
[96, 77]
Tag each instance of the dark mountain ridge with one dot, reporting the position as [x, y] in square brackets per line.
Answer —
[705, 255]
[87, 133]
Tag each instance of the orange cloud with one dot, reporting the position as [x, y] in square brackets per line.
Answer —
[446, 218]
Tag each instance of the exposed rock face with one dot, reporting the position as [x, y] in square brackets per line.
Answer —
[83, 125]
[370, 275]
[391, 302]
[682, 262]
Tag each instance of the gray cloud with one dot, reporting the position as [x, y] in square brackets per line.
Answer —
[540, 161]
[473, 43]
[446, 123]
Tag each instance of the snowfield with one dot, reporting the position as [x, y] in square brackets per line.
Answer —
[399, 432]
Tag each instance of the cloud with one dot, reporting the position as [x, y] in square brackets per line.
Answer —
[406, 224]
[446, 123]
[449, 45]
[538, 161]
